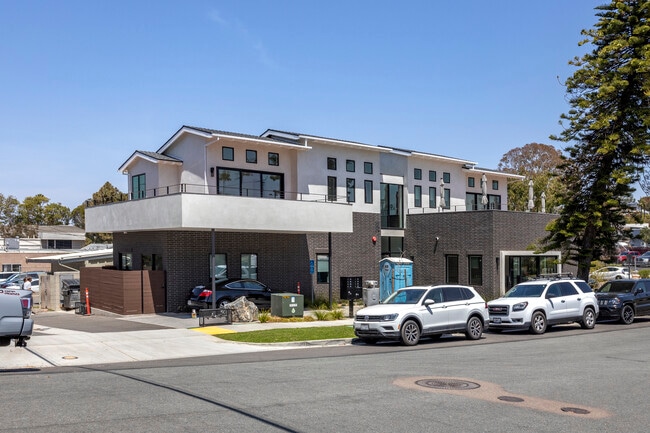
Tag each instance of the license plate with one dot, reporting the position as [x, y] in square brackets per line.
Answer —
[364, 327]
[496, 320]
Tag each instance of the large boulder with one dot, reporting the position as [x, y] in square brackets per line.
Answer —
[242, 310]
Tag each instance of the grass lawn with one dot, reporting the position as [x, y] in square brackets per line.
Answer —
[292, 334]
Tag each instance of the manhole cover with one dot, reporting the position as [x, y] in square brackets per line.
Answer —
[510, 399]
[447, 384]
[575, 410]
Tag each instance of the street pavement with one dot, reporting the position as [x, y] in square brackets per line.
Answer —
[63, 338]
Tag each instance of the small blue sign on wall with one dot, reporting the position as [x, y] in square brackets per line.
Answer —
[311, 266]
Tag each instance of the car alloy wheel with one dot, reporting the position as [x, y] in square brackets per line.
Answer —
[474, 328]
[410, 333]
[627, 314]
[588, 319]
[538, 323]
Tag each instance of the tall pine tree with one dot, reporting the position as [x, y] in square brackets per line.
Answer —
[608, 131]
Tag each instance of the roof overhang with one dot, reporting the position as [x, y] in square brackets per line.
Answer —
[105, 254]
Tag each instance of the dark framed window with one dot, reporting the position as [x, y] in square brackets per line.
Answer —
[417, 195]
[220, 266]
[392, 208]
[251, 156]
[227, 153]
[322, 268]
[367, 191]
[475, 270]
[470, 182]
[331, 188]
[447, 198]
[446, 177]
[126, 261]
[451, 269]
[274, 158]
[433, 177]
[248, 183]
[495, 185]
[249, 266]
[432, 197]
[139, 186]
[349, 165]
[331, 163]
[367, 167]
[349, 190]
[417, 174]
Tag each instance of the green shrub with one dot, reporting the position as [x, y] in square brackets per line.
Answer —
[264, 316]
[644, 273]
[322, 315]
[337, 315]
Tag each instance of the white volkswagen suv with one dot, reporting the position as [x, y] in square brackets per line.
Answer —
[423, 311]
[538, 304]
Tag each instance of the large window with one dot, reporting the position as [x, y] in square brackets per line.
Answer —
[151, 262]
[367, 191]
[392, 212]
[451, 269]
[392, 246]
[220, 267]
[349, 190]
[250, 183]
[475, 265]
[322, 268]
[249, 266]
[138, 187]
[331, 188]
[59, 244]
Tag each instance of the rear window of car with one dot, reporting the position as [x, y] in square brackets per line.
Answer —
[584, 287]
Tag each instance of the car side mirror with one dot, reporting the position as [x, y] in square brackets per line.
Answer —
[637, 291]
[428, 302]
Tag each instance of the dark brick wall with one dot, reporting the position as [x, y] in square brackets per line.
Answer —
[484, 233]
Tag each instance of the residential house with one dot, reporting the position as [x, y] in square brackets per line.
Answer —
[299, 212]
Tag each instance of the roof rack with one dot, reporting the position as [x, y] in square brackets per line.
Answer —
[555, 276]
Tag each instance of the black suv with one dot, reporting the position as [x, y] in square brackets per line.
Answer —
[624, 299]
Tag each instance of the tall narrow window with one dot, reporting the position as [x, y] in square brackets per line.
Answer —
[138, 187]
[220, 267]
[432, 197]
[447, 198]
[367, 189]
[451, 269]
[495, 185]
[349, 190]
[322, 268]
[475, 264]
[470, 182]
[249, 266]
[417, 195]
[126, 261]
[331, 188]
[392, 208]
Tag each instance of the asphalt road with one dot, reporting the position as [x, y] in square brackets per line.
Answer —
[568, 380]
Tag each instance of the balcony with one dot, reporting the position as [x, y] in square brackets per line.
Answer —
[186, 208]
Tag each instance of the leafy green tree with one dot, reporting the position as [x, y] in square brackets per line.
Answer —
[608, 131]
[539, 163]
[106, 194]
[8, 215]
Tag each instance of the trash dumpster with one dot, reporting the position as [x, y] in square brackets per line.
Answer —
[70, 291]
[287, 304]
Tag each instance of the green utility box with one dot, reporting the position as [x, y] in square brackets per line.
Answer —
[287, 304]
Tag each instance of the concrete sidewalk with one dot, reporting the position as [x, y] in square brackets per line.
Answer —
[65, 339]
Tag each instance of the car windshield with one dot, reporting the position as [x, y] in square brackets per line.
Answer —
[617, 287]
[405, 296]
[526, 291]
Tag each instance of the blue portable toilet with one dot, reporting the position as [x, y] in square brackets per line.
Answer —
[394, 273]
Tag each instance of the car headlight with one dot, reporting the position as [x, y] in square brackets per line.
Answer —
[520, 306]
[615, 302]
[389, 317]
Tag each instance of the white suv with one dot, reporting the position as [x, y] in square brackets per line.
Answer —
[540, 303]
[423, 311]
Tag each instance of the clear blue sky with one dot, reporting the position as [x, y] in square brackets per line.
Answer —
[86, 83]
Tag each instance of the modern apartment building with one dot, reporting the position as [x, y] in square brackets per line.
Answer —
[293, 210]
